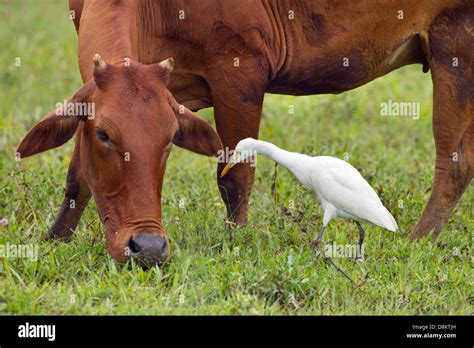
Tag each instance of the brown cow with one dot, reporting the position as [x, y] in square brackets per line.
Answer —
[228, 55]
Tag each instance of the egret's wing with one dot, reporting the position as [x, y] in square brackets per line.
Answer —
[343, 186]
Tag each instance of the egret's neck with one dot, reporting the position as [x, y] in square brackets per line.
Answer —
[287, 159]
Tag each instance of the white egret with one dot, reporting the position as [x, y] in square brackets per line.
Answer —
[340, 188]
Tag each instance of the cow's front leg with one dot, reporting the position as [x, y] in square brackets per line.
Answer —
[453, 123]
[237, 111]
[233, 125]
[75, 201]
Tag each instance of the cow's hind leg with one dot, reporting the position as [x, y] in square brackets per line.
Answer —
[75, 201]
[449, 50]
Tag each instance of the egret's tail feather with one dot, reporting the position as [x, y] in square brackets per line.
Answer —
[389, 222]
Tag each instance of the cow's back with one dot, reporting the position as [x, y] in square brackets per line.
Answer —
[305, 47]
[333, 46]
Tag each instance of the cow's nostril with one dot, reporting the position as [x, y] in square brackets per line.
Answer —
[148, 249]
[133, 246]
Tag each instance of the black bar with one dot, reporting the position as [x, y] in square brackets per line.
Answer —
[160, 330]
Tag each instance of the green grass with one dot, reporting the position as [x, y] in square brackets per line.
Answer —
[267, 267]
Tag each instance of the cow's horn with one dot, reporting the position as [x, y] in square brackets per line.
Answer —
[167, 64]
[99, 64]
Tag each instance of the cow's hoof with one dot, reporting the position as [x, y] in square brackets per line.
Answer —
[53, 235]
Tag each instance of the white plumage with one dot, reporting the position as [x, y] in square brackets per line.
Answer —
[340, 188]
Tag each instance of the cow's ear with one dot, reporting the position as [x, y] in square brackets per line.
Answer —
[59, 125]
[194, 133]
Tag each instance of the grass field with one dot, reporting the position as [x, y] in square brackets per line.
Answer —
[267, 267]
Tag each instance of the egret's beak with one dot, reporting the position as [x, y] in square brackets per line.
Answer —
[232, 162]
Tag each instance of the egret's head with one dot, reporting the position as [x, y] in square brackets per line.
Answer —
[246, 150]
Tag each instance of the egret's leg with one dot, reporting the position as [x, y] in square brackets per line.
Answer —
[329, 213]
[318, 240]
[361, 239]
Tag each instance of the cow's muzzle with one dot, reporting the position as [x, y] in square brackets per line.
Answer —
[148, 250]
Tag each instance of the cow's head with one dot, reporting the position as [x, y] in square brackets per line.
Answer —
[124, 145]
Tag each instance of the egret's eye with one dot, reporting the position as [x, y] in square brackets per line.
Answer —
[102, 135]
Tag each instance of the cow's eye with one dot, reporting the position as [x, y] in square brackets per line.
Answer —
[102, 135]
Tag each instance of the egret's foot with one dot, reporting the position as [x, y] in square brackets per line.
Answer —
[359, 256]
[315, 243]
